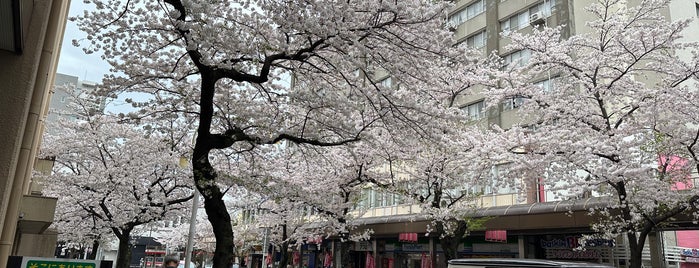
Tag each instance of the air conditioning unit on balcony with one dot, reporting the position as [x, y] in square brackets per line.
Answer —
[452, 26]
[537, 18]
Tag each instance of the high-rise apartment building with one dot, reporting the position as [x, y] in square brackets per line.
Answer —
[58, 106]
[536, 224]
[60, 97]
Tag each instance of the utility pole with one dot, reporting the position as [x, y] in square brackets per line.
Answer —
[192, 226]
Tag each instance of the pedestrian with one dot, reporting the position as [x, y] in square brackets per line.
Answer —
[171, 262]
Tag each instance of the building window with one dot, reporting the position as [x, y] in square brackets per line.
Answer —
[521, 19]
[497, 187]
[513, 102]
[546, 85]
[365, 199]
[475, 110]
[467, 13]
[386, 83]
[477, 40]
[696, 6]
[515, 22]
[474, 9]
[517, 59]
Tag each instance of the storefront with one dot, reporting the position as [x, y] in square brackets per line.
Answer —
[392, 253]
[568, 247]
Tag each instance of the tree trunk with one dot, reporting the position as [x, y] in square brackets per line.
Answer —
[637, 242]
[223, 231]
[205, 175]
[95, 247]
[284, 253]
[450, 243]
[636, 255]
[450, 246]
[124, 256]
[220, 221]
[284, 248]
[217, 213]
[345, 250]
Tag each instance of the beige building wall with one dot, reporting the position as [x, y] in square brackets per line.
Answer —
[569, 13]
[682, 10]
[26, 78]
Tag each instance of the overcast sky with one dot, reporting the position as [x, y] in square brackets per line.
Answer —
[73, 61]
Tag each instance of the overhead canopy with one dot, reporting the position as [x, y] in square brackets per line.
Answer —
[566, 214]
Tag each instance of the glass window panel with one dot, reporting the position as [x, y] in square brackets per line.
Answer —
[546, 85]
[513, 102]
[526, 56]
[519, 58]
[514, 22]
[523, 19]
[475, 110]
[456, 18]
[547, 6]
[475, 9]
[477, 40]
[505, 25]
[386, 82]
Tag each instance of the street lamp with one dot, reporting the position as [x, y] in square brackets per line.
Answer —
[192, 220]
[192, 225]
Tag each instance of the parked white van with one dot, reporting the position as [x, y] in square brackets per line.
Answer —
[501, 263]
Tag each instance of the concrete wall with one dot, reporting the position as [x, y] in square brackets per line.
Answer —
[23, 97]
[686, 9]
[37, 245]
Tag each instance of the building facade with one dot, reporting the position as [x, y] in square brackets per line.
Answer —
[536, 223]
[64, 86]
[30, 39]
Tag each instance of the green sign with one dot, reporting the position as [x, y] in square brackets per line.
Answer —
[29, 262]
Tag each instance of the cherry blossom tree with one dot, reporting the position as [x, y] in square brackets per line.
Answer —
[438, 175]
[203, 237]
[443, 178]
[111, 176]
[283, 225]
[255, 73]
[619, 120]
[325, 186]
[177, 237]
[304, 192]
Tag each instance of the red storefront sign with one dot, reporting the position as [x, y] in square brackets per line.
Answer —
[496, 236]
[407, 237]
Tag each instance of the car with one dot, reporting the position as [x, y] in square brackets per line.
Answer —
[503, 262]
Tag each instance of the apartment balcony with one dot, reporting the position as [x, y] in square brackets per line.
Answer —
[36, 213]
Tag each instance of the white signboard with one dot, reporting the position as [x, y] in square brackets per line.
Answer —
[415, 247]
[363, 246]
